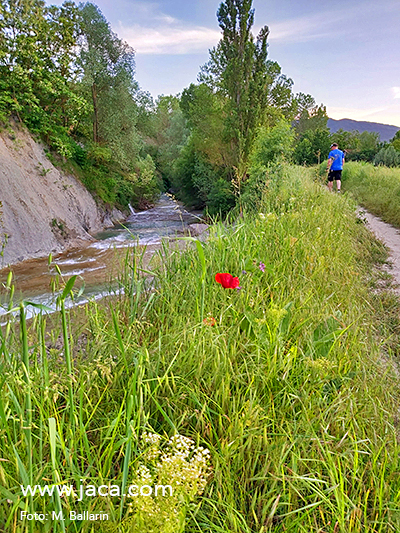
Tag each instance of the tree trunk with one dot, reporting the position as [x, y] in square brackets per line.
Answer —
[96, 118]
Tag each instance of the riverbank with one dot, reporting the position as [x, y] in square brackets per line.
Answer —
[281, 379]
[42, 210]
[99, 264]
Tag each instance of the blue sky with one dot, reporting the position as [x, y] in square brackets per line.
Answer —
[345, 53]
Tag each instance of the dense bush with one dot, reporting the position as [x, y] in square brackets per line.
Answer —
[273, 144]
[387, 156]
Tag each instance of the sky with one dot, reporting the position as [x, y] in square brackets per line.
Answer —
[346, 54]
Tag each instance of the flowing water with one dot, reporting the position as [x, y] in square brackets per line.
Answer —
[98, 263]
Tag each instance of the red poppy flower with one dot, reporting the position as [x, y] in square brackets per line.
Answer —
[227, 281]
[210, 321]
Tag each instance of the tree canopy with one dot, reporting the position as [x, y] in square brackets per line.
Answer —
[71, 80]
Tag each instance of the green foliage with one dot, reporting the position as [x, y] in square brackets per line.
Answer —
[108, 67]
[36, 65]
[387, 156]
[194, 179]
[182, 182]
[395, 142]
[100, 155]
[369, 145]
[250, 84]
[273, 144]
[349, 141]
[206, 115]
[311, 118]
[241, 96]
[312, 147]
[145, 181]
[272, 147]
[71, 81]
[359, 146]
[168, 132]
[263, 181]
[221, 198]
[313, 139]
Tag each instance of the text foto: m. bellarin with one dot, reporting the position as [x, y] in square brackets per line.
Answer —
[73, 515]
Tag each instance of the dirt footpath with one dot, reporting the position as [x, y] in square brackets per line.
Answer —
[391, 237]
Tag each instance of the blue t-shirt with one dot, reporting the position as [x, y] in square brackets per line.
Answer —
[338, 158]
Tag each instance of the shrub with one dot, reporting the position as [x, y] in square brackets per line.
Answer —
[221, 198]
[387, 156]
[273, 144]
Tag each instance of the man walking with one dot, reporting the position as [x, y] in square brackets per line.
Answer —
[335, 167]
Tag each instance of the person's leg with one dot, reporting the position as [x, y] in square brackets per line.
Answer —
[338, 178]
[330, 181]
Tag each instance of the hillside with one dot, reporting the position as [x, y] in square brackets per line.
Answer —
[386, 131]
[41, 209]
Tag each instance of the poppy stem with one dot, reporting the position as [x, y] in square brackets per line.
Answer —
[203, 292]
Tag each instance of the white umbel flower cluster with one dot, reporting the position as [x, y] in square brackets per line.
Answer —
[176, 463]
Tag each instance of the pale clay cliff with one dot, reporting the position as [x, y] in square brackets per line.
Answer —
[42, 211]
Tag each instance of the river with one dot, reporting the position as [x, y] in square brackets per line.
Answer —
[99, 263]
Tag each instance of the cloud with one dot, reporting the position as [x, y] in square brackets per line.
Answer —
[303, 29]
[354, 113]
[396, 92]
[155, 32]
[167, 35]
[169, 39]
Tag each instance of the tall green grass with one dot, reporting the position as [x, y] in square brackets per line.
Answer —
[375, 188]
[287, 389]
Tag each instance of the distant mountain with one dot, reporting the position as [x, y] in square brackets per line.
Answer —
[385, 131]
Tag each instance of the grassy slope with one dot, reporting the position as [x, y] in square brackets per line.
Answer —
[376, 188]
[287, 389]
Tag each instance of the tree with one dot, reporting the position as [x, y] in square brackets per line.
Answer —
[37, 46]
[273, 144]
[312, 147]
[395, 142]
[359, 146]
[108, 67]
[313, 136]
[238, 67]
[252, 89]
[387, 156]
[349, 141]
[169, 135]
[37, 63]
[205, 111]
[311, 118]
[369, 145]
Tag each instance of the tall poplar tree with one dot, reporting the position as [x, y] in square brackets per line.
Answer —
[240, 65]
[255, 91]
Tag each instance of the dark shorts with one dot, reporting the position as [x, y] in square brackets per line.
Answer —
[335, 175]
